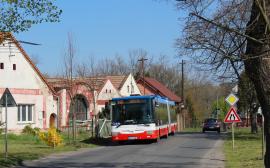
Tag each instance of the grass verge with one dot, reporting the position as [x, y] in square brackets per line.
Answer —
[27, 147]
[247, 152]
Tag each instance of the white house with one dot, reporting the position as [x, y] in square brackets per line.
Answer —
[126, 85]
[34, 97]
[106, 92]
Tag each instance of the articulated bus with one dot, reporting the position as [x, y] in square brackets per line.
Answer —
[142, 118]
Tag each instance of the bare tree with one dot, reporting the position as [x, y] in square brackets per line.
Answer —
[113, 66]
[87, 67]
[89, 75]
[69, 71]
[134, 56]
[133, 61]
[221, 48]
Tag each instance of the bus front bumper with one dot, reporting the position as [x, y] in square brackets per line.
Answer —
[135, 136]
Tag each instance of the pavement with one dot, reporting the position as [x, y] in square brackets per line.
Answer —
[183, 150]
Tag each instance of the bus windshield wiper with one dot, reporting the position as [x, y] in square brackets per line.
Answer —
[118, 125]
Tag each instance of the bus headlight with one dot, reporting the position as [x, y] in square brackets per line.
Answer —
[149, 132]
[115, 133]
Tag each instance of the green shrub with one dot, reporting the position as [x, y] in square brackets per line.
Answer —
[30, 131]
[37, 130]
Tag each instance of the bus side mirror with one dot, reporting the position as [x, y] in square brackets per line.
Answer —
[157, 122]
[156, 104]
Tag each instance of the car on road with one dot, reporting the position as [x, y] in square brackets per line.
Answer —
[211, 124]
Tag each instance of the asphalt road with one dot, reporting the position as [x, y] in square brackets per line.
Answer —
[184, 150]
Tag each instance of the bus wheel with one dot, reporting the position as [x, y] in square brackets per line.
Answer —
[167, 135]
[158, 138]
[121, 142]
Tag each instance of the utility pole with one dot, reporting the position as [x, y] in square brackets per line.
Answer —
[182, 92]
[143, 60]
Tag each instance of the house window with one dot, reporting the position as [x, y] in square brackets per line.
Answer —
[106, 90]
[1, 65]
[128, 89]
[25, 113]
[132, 89]
[14, 67]
[110, 91]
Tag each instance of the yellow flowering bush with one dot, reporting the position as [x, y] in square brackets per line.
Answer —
[42, 136]
[51, 138]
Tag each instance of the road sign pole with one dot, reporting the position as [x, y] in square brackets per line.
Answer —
[6, 151]
[7, 100]
[232, 115]
[262, 137]
[233, 136]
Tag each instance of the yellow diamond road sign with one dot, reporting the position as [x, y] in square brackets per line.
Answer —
[231, 99]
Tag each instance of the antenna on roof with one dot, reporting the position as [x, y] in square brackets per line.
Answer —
[27, 42]
[20, 41]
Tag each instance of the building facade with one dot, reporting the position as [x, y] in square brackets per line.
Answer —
[36, 100]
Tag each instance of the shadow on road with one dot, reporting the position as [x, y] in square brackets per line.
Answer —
[99, 141]
[109, 142]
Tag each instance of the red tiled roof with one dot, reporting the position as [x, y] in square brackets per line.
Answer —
[159, 88]
[147, 90]
[97, 82]
[117, 81]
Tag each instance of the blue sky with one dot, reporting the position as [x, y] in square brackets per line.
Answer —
[103, 29]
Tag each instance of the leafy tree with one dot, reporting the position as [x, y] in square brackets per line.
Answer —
[19, 15]
[248, 101]
[221, 108]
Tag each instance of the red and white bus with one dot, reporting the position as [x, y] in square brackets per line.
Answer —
[142, 118]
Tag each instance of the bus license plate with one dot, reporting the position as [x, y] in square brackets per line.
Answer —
[131, 138]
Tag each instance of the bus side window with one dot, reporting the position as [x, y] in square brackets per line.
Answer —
[156, 115]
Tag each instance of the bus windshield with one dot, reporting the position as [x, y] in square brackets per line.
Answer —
[132, 111]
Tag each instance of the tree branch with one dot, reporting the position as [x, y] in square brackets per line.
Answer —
[227, 28]
[263, 14]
